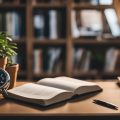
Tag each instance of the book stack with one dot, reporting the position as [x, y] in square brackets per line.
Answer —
[95, 2]
[49, 60]
[82, 60]
[49, 24]
[82, 26]
[112, 60]
[11, 22]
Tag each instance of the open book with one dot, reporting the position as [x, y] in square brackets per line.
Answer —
[52, 90]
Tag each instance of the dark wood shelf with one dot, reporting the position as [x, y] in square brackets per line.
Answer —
[50, 42]
[114, 73]
[88, 6]
[12, 6]
[96, 74]
[96, 42]
[49, 5]
[91, 73]
[48, 75]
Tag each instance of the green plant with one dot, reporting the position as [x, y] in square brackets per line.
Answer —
[7, 47]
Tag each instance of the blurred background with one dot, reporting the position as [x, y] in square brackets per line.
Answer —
[75, 38]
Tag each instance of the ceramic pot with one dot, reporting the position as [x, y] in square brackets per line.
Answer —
[13, 72]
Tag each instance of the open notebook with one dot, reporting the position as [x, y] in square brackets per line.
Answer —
[52, 90]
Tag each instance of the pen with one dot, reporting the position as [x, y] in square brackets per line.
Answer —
[105, 104]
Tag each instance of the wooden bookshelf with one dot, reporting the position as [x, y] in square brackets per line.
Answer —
[50, 42]
[50, 6]
[29, 41]
[97, 7]
[96, 42]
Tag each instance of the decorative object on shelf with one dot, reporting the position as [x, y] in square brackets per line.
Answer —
[8, 50]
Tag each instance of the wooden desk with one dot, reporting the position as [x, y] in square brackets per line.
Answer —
[81, 106]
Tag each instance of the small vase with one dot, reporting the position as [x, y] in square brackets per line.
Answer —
[13, 71]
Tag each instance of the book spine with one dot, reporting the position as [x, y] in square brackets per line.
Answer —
[54, 60]
[37, 61]
[9, 23]
[39, 25]
[53, 24]
[16, 28]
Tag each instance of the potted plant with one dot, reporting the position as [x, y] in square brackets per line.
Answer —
[7, 50]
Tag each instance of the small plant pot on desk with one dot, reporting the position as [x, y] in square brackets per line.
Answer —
[13, 71]
[3, 62]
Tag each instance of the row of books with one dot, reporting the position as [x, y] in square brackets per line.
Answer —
[95, 2]
[85, 60]
[12, 23]
[49, 24]
[52, 60]
[49, 61]
[82, 26]
[52, 23]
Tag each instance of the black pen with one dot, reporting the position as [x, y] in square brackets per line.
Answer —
[105, 104]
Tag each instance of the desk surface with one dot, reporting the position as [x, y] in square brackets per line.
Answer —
[81, 106]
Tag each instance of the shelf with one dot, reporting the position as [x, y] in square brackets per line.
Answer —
[49, 6]
[114, 73]
[38, 75]
[95, 42]
[83, 74]
[50, 42]
[95, 74]
[87, 6]
[9, 6]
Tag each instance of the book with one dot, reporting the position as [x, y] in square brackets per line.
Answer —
[82, 60]
[105, 2]
[52, 90]
[37, 66]
[13, 23]
[94, 23]
[54, 58]
[39, 24]
[112, 59]
[81, 26]
[74, 26]
[113, 22]
[53, 24]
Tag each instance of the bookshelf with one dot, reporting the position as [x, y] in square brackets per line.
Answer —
[28, 43]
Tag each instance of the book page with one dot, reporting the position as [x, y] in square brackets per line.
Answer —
[39, 92]
[65, 83]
